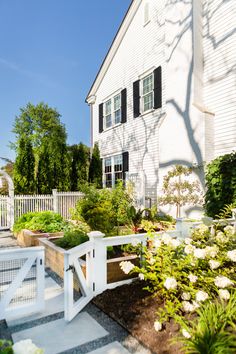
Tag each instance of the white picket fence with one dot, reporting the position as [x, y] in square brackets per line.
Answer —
[11, 208]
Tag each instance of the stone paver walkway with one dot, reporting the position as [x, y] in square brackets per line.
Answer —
[7, 240]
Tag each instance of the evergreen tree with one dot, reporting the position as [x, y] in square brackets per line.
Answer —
[42, 126]
[79, 156]
[24, 167]
[95, 168]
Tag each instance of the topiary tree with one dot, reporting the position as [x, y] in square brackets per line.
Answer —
[179, 189]
[95, 168]
[220, 184]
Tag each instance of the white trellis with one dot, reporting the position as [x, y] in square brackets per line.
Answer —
[7, 203]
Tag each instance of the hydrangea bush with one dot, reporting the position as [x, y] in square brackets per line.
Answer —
[186, 274]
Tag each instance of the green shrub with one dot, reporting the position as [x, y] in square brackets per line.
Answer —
[221, 184]
[72, 238]
[45, 221]
[5, 347]
[105, 209]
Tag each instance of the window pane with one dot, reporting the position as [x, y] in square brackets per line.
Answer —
[118, 176]
[117, 102]
[108, 121]
[107, 107]
[118, 163]
[118, 116]
[147, 84]
[148, 102]
[108, 180]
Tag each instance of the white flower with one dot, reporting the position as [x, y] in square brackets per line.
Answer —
[157, 326]
[152, 260]
[141, 276]
[214, 264]
[186, 296]
[195, 305]
[126, 266]
[232, 255]
[166, 239]
[199, 253]
[211, 251]
[157, 243]
[186, 334]
[26, 347]
[224, 294]
[221, 237]
[229, 230]
[192, 278]
[222, 282]
[189, 249]
[187, 306]
[187, 241]
[175, 243]
[201, 296]
[170, 283]
[135, 242]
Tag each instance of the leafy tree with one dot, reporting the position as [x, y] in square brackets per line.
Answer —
[179, 190]
[79, 159]
[95, 168]
[41, 125]
[220, 184]
[23, 175]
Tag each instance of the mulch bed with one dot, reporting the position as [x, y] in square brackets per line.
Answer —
[135, 309]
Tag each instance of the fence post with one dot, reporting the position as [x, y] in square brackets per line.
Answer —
[55, 200]
[99, 263]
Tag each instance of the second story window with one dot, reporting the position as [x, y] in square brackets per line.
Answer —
[147, 93]
[108, 115]
[112, 111]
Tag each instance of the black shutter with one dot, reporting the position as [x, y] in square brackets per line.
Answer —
[157, 88]
[124, 106]
[101, 118]
[136, 99]
[125, 156]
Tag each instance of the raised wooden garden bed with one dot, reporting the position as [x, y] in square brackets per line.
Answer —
[27, 238]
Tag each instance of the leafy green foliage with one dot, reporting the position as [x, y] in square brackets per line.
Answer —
[6, 347]
[24, 167]
[8, 168]
[179, 190]
[213, 332]
[79, 160]
[221, 184]
[95, 168]
[40, 126]
[45, 221]
[73, 236]
[104, 210]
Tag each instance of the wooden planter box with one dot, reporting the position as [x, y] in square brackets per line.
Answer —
[54, 259]
[27, 238]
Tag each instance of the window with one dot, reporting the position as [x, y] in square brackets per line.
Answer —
[114, 169]
[147, 93]
[108, 172]
[112, 115]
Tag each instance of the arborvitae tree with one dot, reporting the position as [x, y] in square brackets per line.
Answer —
[79, 157]
[95, 168]
[24, 168]
[41, 124]
[179, 190]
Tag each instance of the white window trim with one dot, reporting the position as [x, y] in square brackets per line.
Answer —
[142, 112]
[111, 97]
[112, 157]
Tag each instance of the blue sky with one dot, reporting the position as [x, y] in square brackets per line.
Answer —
[51, 50]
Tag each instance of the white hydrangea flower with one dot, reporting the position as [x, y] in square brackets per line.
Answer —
[221, 237]
[157, 326]
[199, 253]
[211, 251]
[26, 347]
[223, 282]
[186, 334]
[232, 255]
[135, 242]
[224, 294]
[189, 249]
[188, 241]
[170, 283]
[157, 243]
[175, 243]
[126, 266]
[193, 278]
[201, 296]
[141, 276]
[229, 230]
[166, 239]
[186, 296]
[187, 306]
[214, 264]
[195, 305]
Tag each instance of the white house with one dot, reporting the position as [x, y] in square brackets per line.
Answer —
[166, 92]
